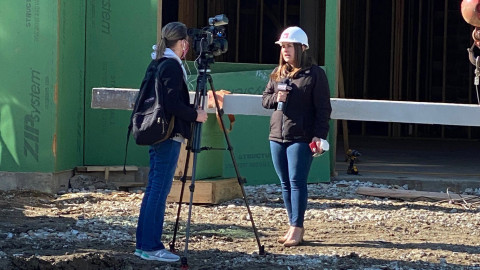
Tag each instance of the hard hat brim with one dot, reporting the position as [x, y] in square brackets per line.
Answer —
[279, 42]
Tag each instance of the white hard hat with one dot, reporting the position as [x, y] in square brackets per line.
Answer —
[293, 34]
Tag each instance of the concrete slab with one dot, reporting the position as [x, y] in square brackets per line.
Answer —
[429, 165]
[44, 182]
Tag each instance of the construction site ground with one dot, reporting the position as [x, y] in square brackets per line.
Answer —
[95, 229]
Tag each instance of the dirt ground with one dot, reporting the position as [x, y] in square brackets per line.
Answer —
[344, 230]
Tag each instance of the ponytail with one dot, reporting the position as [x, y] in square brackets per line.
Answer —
[171, 33]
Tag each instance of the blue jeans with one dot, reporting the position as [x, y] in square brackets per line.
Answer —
[292, 163]
[163, 162]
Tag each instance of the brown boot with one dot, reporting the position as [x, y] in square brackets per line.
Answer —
[296, 237]
[284, 238]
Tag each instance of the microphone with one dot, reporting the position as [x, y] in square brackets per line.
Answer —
[283, 86]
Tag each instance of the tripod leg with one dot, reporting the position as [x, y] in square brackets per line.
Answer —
[196, 137]
[241, 180]
[196, 150]
[184, 180]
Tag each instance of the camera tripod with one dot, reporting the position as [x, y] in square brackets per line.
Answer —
[193, 145]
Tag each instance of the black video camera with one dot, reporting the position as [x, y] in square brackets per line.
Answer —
[210, 40]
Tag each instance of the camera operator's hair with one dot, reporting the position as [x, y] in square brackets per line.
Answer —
[171, 33]
[285, 70]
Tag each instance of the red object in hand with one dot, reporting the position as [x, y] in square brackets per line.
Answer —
[471, 12]
[313, 148]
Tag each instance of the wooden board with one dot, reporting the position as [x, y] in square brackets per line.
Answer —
[128, 184]
[206, 191]
[181, 164]
[104, 168]
[410, 194]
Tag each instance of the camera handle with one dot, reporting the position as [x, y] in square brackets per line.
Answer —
[193, 145]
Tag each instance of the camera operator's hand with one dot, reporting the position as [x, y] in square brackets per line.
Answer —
[282, 96]
[201, 116]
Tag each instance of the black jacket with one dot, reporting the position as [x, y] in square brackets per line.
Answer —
[176, 97]
[307, 110]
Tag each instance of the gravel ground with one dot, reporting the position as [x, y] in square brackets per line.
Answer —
[82, 229]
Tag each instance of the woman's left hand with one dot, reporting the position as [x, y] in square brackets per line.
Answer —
[201, 116]
[318, 144]
[282, 96]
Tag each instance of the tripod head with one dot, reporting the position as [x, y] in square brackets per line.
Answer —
[203, 61]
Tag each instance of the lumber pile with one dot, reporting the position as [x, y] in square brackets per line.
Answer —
[411, 195]
[206, 191]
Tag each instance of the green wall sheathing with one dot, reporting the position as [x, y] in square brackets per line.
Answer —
[252, 153]
[210, 162]
[331, 45]
[71, 85]
[119, 40]
[249, 137]
[251, 149]
[52, 53]
[33, 40]
[224, 67]
[242, 82]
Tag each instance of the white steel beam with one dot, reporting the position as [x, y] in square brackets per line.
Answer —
[346, 109]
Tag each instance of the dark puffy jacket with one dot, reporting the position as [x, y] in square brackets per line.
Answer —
[176, 97]
[307, 110]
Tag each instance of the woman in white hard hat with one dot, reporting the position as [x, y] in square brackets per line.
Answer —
[298, 92]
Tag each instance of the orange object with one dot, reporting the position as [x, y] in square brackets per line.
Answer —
[211, 104]
[471, 12]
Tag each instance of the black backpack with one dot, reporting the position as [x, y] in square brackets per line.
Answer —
[148, 122]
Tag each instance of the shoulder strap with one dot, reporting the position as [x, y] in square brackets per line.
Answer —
[154, 64]
[160, 94]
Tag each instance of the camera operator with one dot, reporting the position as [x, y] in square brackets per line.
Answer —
[299, 93]
[173, 46]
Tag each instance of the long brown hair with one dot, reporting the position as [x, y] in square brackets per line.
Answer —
[285, 70]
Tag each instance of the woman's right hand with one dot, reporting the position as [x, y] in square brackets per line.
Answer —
[201, 116]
